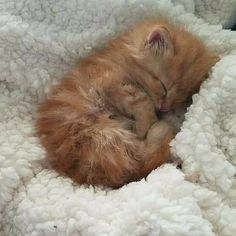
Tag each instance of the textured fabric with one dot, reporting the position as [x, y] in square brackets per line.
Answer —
[213, 11]
[217, 11]
[41, 40]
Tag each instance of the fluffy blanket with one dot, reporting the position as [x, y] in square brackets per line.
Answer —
[41, 40]
[214, 11]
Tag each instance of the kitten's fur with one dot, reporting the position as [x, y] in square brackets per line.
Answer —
[99, 124]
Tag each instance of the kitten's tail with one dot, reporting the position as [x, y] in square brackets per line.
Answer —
[96, 149]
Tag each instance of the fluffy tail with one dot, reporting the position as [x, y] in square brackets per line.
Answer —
[94, 148]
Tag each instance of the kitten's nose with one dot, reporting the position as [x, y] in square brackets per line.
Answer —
[163, 108]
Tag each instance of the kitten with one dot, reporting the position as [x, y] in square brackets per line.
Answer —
[99, 125]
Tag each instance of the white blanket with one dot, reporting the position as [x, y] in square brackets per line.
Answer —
[213, 11]
[39, 41]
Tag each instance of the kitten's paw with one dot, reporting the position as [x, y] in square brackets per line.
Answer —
[143, 124]
[130, 90]
[159, 131]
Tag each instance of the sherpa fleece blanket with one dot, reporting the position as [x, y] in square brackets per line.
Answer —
[213, 11]
[39, 42]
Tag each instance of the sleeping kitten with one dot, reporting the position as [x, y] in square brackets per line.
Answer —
[99, 125]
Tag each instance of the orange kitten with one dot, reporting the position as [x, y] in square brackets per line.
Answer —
[99, 124]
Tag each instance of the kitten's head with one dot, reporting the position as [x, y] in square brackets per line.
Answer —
[175, 57]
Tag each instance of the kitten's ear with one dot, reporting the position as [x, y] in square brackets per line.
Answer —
[159, 42]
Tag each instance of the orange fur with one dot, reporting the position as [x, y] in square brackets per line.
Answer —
[99, 124]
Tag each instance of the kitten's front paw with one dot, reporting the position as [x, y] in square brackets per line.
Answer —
[160, 131]
[143, 125]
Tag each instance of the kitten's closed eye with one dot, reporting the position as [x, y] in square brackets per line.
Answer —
[164, 90]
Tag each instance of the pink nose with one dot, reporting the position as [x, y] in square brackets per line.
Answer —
[159, 105]
[163, 108]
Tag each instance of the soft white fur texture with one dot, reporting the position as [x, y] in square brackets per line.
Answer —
[39, 41]
[213, 11]
[217, 11]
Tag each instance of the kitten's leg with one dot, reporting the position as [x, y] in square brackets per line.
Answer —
[158, 132]
[136, 103]
[157, 146]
